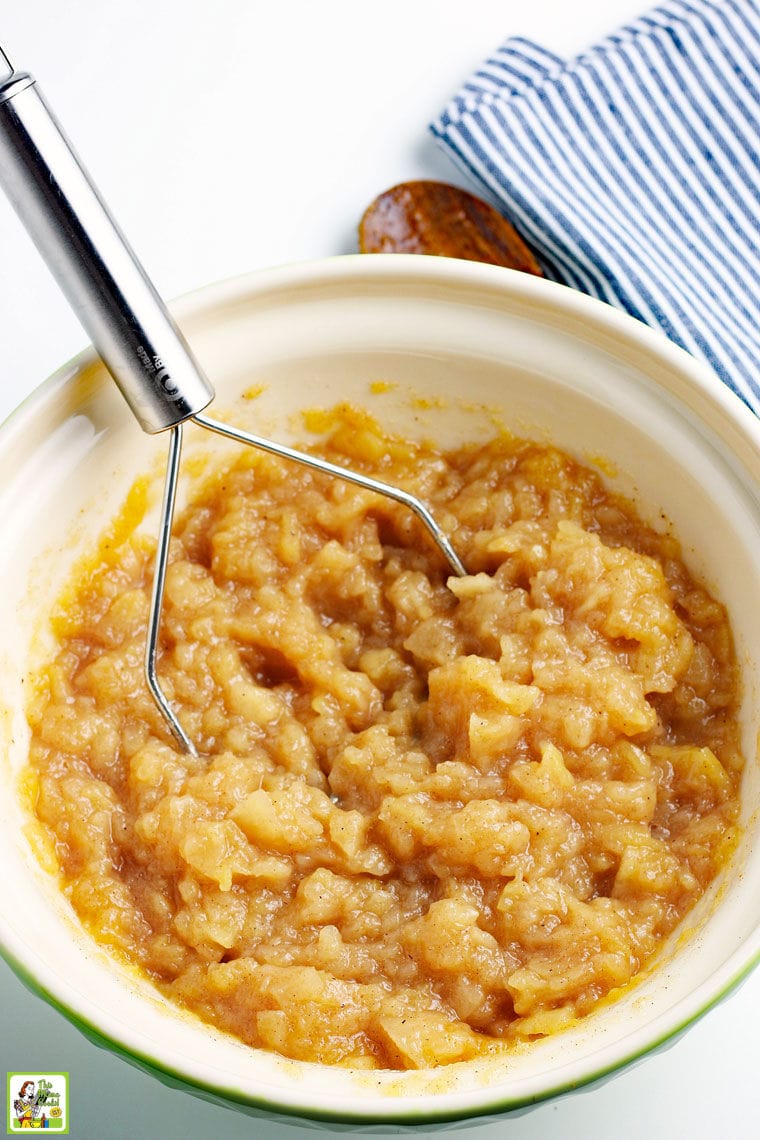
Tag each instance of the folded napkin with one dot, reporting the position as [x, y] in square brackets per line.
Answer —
[634, 172]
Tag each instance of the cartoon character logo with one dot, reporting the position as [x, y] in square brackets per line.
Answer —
[28, 1107]
[37, 1100]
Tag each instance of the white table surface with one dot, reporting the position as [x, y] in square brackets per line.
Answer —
[237, 134]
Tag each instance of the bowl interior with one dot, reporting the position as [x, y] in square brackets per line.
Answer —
[455, 348]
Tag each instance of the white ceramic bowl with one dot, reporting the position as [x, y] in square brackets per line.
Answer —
[558, 366]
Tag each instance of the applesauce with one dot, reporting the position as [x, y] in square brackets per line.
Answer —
[432, 817]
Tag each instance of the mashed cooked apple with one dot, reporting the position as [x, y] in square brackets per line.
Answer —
[432, 815]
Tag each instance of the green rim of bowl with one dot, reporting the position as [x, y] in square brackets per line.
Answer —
[413, 1118]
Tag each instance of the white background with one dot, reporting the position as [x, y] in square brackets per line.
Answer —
[229, 135]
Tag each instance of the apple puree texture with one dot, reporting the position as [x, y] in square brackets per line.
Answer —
[433, 816]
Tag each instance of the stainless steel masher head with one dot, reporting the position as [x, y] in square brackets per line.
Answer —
[127, 321]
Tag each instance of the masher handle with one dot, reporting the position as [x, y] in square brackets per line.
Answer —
[100, 275]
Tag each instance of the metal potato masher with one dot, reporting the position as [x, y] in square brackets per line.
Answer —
[126, 320]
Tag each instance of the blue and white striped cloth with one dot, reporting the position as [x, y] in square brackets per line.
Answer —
[634, 170]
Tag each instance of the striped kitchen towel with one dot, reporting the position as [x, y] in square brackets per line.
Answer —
[634, 171]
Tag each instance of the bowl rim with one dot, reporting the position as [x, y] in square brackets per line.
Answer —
[429, 269]
[418, 1117]
[384, 268]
